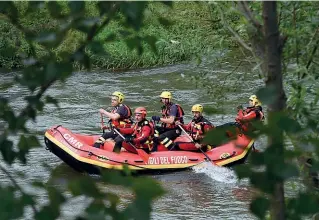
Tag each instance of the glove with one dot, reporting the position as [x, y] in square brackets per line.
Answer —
[197, 145]
[104, 127]
[114, 128]
[102, 111]
[156, 118]
[239, 107]
[129, 139]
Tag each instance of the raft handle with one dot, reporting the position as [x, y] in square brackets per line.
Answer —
[55, 128]
[139, 161]
[46, 143]
[195, 159]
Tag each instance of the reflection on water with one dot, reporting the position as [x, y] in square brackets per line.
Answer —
[200, 193]
[194, 195]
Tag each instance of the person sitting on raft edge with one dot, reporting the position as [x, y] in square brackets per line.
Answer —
[196, 128]
[119, 117]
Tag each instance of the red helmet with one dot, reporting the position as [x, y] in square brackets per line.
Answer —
[141, 110]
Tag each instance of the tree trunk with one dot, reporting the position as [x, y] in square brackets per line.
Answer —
[274, 81]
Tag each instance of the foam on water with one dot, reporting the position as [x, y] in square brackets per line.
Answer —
[220, 174]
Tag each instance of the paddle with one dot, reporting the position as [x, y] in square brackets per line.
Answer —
[190, 138]
[140, 152]
[102, 124]
[103, 127]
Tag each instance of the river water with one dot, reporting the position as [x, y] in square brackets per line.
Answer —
[207, 192]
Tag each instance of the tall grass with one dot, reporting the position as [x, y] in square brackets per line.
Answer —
[191, 34]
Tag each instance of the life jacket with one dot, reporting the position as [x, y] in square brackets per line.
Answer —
[137, 131]
[197, 129]
[179, 117]
[122, 122]
[248, 125]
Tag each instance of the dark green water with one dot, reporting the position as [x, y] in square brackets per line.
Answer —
[208, 192]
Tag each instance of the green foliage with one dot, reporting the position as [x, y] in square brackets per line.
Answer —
[25, 144]
[43, 48]
[296, 124]
[188, 33]
[49, 40]
[12, 206]
[259, 207]
[300, 23]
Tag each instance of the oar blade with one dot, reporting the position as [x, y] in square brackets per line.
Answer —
[191, 139]
[140, 152]
[143, 155]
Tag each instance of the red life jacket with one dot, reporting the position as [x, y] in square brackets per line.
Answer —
[259, 116]
[137, 128]
[122, 122]
[179, 117]
[137, 132]
[199, 127]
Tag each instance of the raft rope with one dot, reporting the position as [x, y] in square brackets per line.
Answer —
[142, 167]
[91, 153]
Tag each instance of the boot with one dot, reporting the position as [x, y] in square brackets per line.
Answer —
[97, 145]
[154, 148]
[117, 147]
[173, 146]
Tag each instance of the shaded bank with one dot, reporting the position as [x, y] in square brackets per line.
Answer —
[190, 34]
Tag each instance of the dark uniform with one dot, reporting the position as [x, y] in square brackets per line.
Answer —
[124, 121]
[168, 132]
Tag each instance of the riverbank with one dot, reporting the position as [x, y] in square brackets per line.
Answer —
[191, 35]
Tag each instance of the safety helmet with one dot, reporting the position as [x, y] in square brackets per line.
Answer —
[119, 95]
[255, 100]
[197, 108]
[141, 110]
[166, 95]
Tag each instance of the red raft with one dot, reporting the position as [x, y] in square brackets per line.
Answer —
[76, 150]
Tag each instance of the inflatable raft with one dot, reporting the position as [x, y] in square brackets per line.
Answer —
[76, 150]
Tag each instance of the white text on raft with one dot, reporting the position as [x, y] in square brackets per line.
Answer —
[167, 160]
[73, 141]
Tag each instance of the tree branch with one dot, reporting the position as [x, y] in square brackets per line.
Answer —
[249, 16]
[279, 16]
[35, 211]
[294, 17]
[97, 28]
[310, 61]
[230, 73]
[313, 51]
[93, 32]
[313, 37]
[239, 39]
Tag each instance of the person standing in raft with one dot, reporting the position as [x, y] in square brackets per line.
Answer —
[196, 128]
[245, 117]
[140, 135]
[120, 117]
[168, 131]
